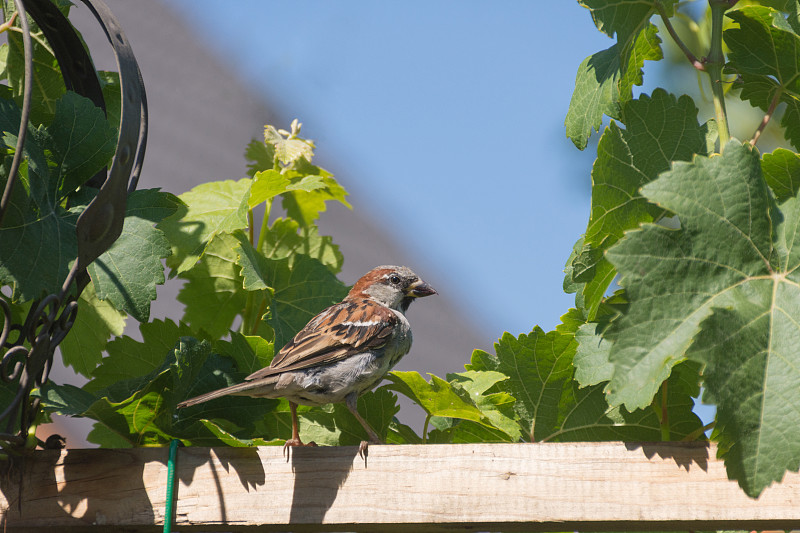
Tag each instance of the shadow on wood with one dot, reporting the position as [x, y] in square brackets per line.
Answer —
[69, 488]
[685, 454]
[317, 480]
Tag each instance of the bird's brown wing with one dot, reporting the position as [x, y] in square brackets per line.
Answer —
[338, 332]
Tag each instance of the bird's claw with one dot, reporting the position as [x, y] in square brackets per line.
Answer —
[363, 451]
[291, 443]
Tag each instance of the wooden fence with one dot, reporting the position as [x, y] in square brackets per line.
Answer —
[491, 487]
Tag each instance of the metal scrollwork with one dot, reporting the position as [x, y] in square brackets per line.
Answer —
[27, 346]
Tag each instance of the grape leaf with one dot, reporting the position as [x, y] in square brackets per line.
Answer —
[498, 407]
[674, 277]
[301, 287]
[237, 415]
[249, 353]
[96, 322]
[286, 238]
[38, 243]
[659, 129]
[793, 7]
[82, 142]
[335, 425]
[537, 365]
[459, 431]
[211, 209]
[605, 81]
[781, 169]
[142, 417]
[625, 18]
[287, 150]
[765, 50]
[438, 397]
[48, 84]
[213, 295]
[683, 283]
[112, 94]
[305, 206]
[584, 414]
[591, 356]
[552, 406]
[128, 358]
[261, 156]
[752, 358]
[139, 411]
[270, 183]
[459, 406]
[128, 272]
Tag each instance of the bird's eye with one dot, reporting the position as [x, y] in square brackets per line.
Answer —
[394, 279]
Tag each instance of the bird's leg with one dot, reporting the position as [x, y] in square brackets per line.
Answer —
[295, 440]
[351, 401]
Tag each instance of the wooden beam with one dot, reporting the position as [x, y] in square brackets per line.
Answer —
[544, 487]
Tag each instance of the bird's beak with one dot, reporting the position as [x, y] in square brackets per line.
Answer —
[419, 289]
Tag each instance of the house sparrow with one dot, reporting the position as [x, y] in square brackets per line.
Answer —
[342, 352]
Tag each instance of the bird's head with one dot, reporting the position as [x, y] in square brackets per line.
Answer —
[393, 286]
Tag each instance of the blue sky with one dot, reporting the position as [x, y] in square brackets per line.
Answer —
[452, 114]
[449, 114]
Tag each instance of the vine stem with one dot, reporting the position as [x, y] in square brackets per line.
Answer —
[262, 234]
[696, 433]
[250, 226]
[764, 121]
[425, 429]
[251, 316]
[714, 63]
[696, 63]
[665, 436]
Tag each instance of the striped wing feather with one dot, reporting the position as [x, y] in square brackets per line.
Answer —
[338, 332]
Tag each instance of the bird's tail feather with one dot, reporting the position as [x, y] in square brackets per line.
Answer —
[240, 389]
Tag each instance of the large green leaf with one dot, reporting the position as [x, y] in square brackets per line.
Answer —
[97, 321]
[537, 366]
[659, 129]
[81, 140]
[437, 397]
[300, 285]
[765, 51]
[140, 411]
[728, 278]
[213, 295]
[211, 209]
[605, 80]
[286, 238]
[128, 272]
[128, 358]
[38, 243]
[552, 405]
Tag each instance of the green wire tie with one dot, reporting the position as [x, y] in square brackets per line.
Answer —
[169, 515]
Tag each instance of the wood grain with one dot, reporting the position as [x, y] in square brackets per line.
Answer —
[543, 487]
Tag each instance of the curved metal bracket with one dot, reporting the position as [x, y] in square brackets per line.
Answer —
[29, 356]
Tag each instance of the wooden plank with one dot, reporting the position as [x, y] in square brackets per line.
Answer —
[544, 487]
